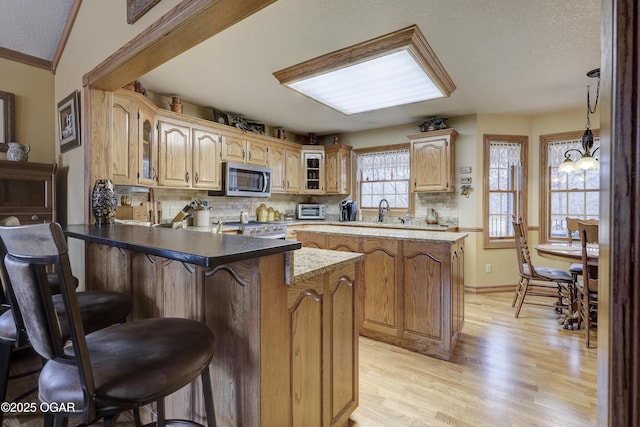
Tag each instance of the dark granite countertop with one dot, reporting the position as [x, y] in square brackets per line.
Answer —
[203, 249]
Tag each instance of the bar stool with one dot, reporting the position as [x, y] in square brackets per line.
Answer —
[99, 309]
[109, 371]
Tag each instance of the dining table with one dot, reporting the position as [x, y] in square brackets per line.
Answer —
[569, 252]
[565, 251]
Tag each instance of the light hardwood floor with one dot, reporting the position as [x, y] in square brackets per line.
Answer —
[505, 372]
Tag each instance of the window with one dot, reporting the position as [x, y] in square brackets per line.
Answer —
[575, 194]
[384, 174]
[505, 187]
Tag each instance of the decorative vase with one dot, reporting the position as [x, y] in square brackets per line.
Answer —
[104, 202]
[432, 216]
[18, 152]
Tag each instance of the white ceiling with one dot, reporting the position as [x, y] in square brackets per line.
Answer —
[505, 56]
[33, 27]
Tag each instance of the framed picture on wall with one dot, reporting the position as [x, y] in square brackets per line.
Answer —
[137, 8]
[7, 117]
[69, 122]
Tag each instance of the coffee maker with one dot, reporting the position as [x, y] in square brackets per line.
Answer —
[348, 210]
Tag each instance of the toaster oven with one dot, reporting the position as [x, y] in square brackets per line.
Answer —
[311, 211]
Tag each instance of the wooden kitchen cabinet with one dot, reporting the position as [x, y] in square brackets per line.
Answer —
[175, 155]
[293, 167]
[287, 354]
[381, 296]
[147, 148]
[124, 140]
[244, 149]
[313, 170]
[432, 161]
[323, 344]
[284, 162]
[234, 148]
[412, 292]
[207, 166]
[277, 163]
[134, 147]
[27, 191]
[258, 152]
[337, 169]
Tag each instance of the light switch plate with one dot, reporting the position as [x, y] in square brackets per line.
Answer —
[465, 169]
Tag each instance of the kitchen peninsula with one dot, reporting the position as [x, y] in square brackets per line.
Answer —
[412, 292]
[284, 317]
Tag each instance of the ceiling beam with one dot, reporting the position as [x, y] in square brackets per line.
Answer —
[186, 25]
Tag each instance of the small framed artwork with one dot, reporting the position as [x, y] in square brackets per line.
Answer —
[256, 127]
[220, 117]
[69, 122]
[7, 117]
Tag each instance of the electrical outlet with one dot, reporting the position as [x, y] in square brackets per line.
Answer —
[487, 268]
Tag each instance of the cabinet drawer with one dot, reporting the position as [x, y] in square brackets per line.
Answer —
[33, 218]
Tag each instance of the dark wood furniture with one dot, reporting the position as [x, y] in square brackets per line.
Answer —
[27, 191]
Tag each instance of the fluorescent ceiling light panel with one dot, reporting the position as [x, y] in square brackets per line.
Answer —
[387, 81]
[395, 69]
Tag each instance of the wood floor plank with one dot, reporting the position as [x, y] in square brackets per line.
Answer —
[505, 372]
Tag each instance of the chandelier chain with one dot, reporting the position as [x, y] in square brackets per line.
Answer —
[595, 105]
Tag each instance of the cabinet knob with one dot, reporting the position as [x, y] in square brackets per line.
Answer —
[35, 217]
[196, 177]
[243, 154]
[186, 176]
[250, 154]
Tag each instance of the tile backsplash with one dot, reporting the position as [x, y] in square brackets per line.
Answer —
[228, 208]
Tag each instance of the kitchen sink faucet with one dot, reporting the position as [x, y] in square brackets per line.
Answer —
[380, 211]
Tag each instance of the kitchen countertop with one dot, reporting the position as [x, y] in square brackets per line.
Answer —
[203, 249]
[393, 233]
[310, 262]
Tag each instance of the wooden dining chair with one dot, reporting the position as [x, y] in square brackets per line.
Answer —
[537, 280]
[572, 228]
[587, 288]
[101, 374]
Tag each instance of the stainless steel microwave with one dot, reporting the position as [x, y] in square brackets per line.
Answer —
[246, 180]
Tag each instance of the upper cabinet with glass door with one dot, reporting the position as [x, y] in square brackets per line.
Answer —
[148, 148]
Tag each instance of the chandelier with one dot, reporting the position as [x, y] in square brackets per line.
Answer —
[586, 161]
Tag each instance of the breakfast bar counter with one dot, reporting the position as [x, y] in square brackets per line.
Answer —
[284, 319]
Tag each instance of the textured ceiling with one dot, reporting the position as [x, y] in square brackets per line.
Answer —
[33, 27]
[505, 56]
